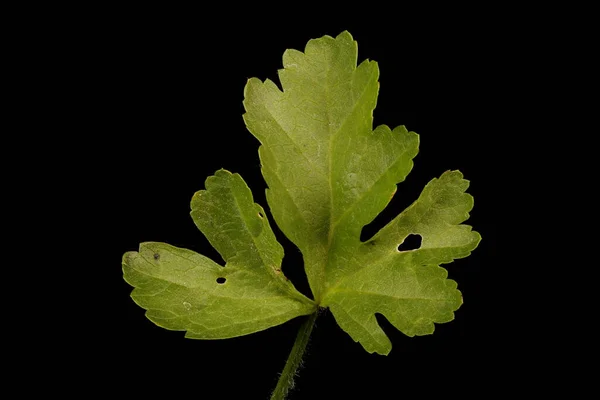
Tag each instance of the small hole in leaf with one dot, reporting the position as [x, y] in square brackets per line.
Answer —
[221, 280]
[156, 256]
[412, 242]
[261, 215]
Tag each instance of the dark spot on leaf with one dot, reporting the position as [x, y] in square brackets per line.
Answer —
[156, 256]
[412, 242]
[221, 280]
[372, 242]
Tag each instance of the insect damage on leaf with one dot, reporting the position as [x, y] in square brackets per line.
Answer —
[183, 290]
[329, 173]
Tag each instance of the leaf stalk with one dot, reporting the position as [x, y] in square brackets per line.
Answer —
[286, 379]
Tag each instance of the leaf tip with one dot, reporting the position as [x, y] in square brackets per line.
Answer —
[345, 35]
[127, 256]
[452, 174]
[252, 84]
[476, 238]
[385, 352]
[222, 172]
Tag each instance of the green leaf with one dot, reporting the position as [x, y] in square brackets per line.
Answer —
[329, 173]
[183, 290]
[407, 287]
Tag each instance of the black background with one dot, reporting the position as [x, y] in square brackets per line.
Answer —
[160, 94]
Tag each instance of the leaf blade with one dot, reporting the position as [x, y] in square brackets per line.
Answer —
[408, 287]
[329, 174]
[309, 132]
[183, 290]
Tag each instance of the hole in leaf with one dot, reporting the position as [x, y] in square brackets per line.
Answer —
[412, 242]
[221, 280]
[261, 215]
[156, 256]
